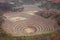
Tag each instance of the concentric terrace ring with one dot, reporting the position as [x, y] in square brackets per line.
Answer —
[32, 25]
